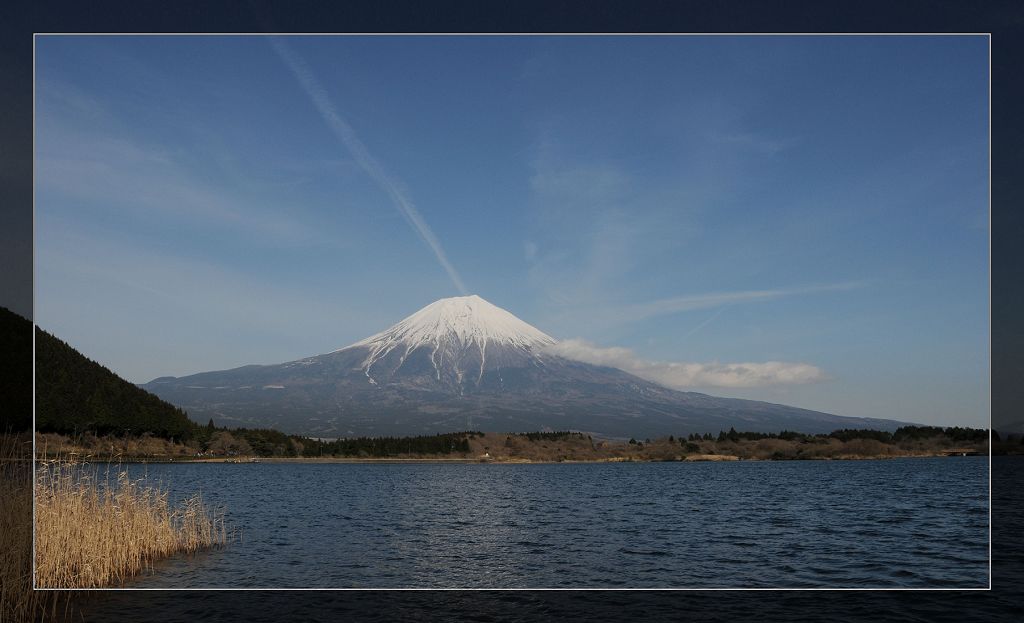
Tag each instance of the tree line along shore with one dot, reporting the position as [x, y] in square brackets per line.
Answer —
[239, 444]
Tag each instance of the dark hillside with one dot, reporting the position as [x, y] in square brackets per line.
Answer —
[15, 372]
[75, 395]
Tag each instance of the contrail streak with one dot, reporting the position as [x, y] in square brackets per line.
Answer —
[371, 165]
[707, 321]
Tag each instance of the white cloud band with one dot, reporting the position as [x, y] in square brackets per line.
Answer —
[681, 375]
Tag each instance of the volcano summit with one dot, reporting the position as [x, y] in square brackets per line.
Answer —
[464, 364]
[462, 338]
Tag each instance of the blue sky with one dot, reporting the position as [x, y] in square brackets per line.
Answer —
[676, 206]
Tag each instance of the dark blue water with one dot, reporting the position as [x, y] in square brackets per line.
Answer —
[892, 523]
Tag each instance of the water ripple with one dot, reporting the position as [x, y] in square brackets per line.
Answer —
[895, 523]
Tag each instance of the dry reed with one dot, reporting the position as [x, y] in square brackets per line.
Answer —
[94, 533]
[17, 600]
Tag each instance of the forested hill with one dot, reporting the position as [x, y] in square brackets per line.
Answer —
[75, 394]
[15, 372]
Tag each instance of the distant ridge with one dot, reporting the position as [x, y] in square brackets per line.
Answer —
[463, 363]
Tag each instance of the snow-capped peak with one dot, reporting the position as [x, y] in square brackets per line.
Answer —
[462, 321]
[461, 338]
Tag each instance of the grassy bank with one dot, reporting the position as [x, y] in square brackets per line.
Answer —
[96, 532]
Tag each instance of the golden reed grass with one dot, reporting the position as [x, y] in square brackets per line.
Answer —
[18, 602]
[93, 532]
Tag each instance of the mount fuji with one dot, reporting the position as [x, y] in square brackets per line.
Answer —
[464, 364]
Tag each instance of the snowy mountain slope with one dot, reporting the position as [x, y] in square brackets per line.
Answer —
[462, 337]
[462, 363]
[462, 320]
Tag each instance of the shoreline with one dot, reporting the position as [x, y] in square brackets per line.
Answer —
[714, 458]
[519, 448]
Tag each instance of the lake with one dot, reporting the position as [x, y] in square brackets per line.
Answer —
[920, 522]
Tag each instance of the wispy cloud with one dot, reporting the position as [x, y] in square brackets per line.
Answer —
[595, 317]
[341, 128]
[211, 316]
[125, 176]
[677, 304]
[754, 142]
[578, 185]
[84, 155]
[682, 375]
[588, 234]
